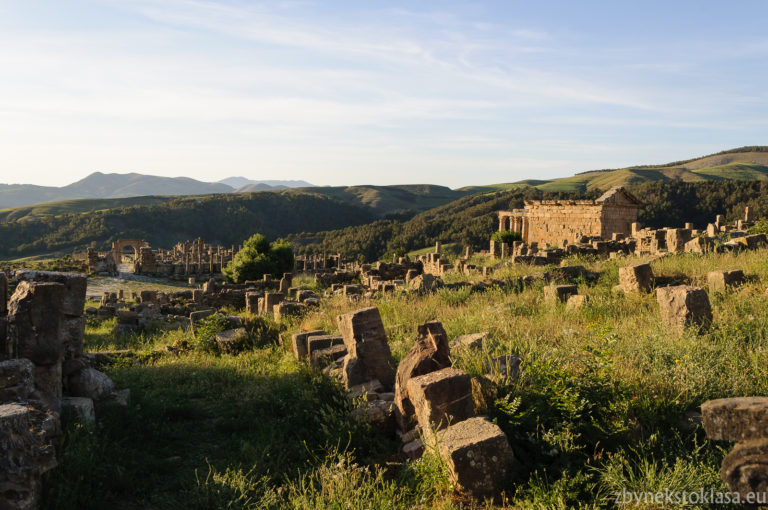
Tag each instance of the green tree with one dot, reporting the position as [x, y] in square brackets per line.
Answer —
[258, 257]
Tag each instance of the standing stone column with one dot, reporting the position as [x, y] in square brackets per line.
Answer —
[368, 355]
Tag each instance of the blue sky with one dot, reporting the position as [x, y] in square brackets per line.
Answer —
[364, 92]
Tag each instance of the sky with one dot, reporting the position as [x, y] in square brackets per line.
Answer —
[374, 92]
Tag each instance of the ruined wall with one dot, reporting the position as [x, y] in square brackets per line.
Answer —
[553, 222]
[617, 219]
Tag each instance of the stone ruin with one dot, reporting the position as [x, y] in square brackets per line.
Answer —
[190, 258]
[558, 222]
[745, 421]
[576, 228]
[429, 403]
[44, 376]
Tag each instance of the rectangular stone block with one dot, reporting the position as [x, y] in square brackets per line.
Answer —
[636, 278]
[442, 397]
[366, 341]
[719, 281]
[684, 306]
[559, 293]
[299, 342]
[75, 284]
[323, 341]
[477, 454]
[321, 358]
[736, 419]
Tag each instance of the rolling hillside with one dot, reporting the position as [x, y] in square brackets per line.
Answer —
[745, 163]
[222, 219]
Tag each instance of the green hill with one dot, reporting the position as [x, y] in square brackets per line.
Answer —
[223, 219]
[745, 163]
[398, 200]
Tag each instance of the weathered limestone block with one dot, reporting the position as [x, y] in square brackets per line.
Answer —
[252, 302]
[676, 239]
[719, 281]
[745, 470]
[352, 289]
[559, 293]
[369, 355]
[683, 306]
[75, 284]
[299, 342]
[16, 379]
[699, 245]
[736, 419]
[267, 303]
[303, 294]
[441, 398]
[470, 341]
[77, 409]
[35, 322]
[637, 278]
[576, 302]
[317, 342]
[232, 341]
[429, 353]
[25, 454]
[288, 309]
[90, 383]
[477, 454]
[321, 358]
[425, 283]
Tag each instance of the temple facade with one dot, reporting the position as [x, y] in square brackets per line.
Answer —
[554, 222]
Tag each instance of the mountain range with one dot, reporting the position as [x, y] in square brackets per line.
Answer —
[100, 185]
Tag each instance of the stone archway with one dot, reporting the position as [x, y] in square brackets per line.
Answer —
[121, 244]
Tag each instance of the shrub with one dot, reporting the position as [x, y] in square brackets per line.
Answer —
[506, 236]
[257, 258]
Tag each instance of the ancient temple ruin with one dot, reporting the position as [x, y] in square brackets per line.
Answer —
[555, 222]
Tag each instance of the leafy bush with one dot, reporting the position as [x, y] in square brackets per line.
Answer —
[506, 236]
[257, 258]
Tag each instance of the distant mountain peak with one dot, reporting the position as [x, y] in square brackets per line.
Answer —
[241, 182]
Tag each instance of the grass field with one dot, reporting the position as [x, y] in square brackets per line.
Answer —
[603, 404]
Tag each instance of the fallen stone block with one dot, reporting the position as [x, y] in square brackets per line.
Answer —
[576, 302]
[429, 353]
[321, 358]
[470, 341]
[736, 419]
[77, 409]
[368, 356]
[745, 470]
[75, 284]
[442, 397]
[299, 342]
[719, 281]
[559, 293]
[477, 454]
[288, 309]
[684, 306]
[90, 383]
[636, 278]
[232, 341]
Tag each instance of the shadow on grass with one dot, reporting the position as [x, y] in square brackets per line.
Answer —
[188, 417]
